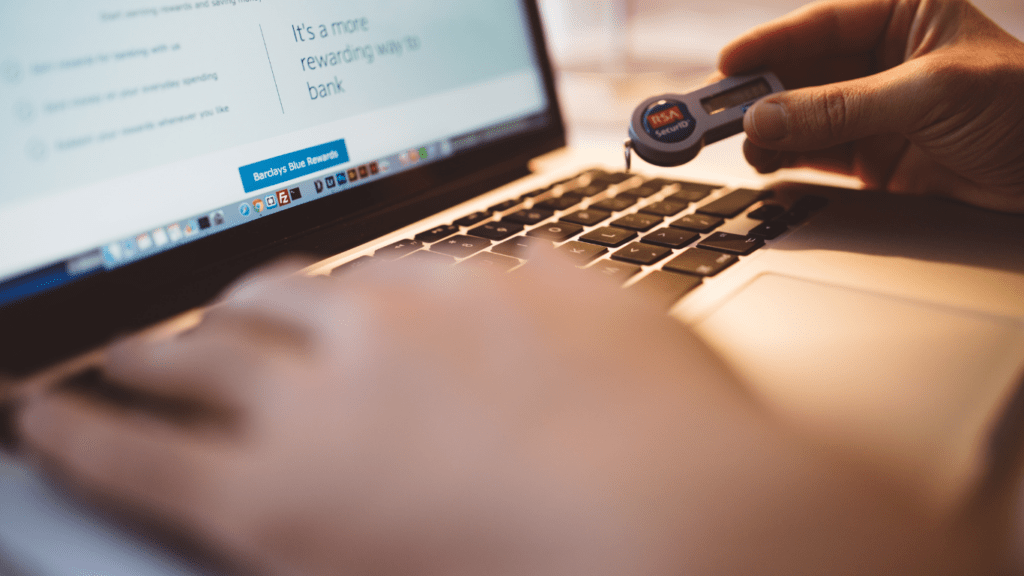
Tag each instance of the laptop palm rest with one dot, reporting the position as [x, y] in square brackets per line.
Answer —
[912, 386]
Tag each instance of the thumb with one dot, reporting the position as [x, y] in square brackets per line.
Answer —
[819, 117]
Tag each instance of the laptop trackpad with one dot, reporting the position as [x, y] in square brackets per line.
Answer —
[912, 385]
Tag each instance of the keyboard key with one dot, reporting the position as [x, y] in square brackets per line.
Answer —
[768, 230]
[670, 238]
[698, 223]
[811, 203]
[568, 182]
[800, 211]
[563, 202]
[608, 236]
[700, 262]
[504, 205]
[731, 243]
[581, 252]
[688, 196]
[353, 265]
[643, 190]
[609, 177]
[496, 230]
[615, 204]
[684, 186]
[519, 247]
[461, 246]
[528, 217]
[664, 208]
[620, 271]
[435, 234]
[587, 217]
[591, 189]
[533, 193]
[659, 182]
[643, 254]
[666, 288]
[641, 222]
[697, 186]
[430, 257]
[766, 212]
[732, 204]
[556, 231]
[472, 220]
[493, 261]
[398, 249]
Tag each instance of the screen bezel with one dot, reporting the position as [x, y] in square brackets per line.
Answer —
[81, 315]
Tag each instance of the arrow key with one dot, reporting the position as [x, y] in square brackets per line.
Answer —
[643, 254]
[731, 243]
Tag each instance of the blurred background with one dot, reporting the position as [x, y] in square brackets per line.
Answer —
[611, 54]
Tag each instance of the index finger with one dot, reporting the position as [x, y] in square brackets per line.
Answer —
[822, 30]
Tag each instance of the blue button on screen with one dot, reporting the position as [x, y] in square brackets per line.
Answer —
[274, 171]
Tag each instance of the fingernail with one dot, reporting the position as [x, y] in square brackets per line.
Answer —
[770, 121]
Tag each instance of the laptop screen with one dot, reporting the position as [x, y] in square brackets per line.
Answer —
[131, 128]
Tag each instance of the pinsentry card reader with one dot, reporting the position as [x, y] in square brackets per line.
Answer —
[670, 129]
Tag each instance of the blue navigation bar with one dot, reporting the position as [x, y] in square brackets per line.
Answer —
[267, 173]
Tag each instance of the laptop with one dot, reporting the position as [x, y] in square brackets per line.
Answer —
[150, 154]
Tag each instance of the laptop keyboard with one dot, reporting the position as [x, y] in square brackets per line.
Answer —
[656, 234]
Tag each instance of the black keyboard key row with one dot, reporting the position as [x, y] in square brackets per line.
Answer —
[682, 273]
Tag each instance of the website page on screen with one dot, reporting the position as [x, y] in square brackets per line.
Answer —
[131, 127]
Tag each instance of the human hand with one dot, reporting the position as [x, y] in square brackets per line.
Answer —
[911, 96]
[430, 421]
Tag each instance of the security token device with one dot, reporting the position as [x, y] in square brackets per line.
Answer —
[670, 129]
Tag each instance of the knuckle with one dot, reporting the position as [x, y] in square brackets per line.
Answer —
[833, 110]
[948, 76]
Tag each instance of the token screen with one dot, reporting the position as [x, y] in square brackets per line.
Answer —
[736, 96]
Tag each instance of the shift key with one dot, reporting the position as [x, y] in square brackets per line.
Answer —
[732, 204]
